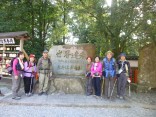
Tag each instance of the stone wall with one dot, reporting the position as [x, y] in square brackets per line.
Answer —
[147, 68]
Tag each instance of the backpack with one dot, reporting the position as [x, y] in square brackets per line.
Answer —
[10, 67]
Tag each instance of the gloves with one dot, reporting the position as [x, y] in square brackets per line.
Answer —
[129, 80]
[30, 65]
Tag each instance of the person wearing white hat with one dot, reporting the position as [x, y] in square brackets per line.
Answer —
[109, 64]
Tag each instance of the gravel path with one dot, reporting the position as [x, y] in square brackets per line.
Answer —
[63, 105]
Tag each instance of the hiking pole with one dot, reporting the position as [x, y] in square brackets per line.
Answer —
[129, 87]
[113, 88]
[102, 86]
[129, 90]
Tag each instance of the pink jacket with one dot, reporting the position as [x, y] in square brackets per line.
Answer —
[96, 69]
[16, 72]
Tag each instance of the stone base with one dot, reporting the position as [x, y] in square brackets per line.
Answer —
[139, 88]
[66, 85]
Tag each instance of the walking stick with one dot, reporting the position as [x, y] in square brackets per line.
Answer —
[113, 88]
[102, 86]
[129, 89]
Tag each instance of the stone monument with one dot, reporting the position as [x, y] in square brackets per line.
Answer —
[147, 68]
[69, 62]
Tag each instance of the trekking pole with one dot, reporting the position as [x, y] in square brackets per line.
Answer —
[102, 86]
[129, 89]
[113, 88]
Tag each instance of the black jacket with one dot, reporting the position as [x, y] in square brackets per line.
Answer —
[119, 65]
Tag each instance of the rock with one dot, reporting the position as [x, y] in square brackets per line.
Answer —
[147, 68]
[70, 60]
[69, 85]
[69, 66]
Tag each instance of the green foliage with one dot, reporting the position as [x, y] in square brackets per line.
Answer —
[120, 27]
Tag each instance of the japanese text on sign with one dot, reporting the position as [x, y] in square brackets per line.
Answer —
[7, 41]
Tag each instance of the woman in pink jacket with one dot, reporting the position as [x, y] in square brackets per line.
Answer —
[96, 73]
[17, 75]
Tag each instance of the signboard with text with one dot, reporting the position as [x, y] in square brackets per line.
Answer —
[69, 59]
[7, 41]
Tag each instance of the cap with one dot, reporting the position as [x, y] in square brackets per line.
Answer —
[109, 52]
[45, 51]
[32, 55]
[123, 54]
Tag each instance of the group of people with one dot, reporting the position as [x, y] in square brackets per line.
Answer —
[97, 72]
[110, 72]
[28, 71]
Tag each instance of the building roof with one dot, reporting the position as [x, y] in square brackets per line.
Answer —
[17, 35]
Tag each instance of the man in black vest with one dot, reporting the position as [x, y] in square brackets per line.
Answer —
[124, 74]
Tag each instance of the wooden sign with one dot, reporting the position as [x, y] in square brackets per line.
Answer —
[7, 41]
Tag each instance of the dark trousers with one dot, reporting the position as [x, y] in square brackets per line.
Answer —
[97, 85]
[109, 83]
[28, 84]
[121, 84]
[89, 86]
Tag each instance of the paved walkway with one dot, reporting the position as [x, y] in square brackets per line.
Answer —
[67, 105]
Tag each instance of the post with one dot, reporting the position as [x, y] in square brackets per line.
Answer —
[3, 61]
[21, 44]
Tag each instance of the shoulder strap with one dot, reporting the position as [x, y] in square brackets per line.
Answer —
[113, 60]
[105, 59]
[49, 60]
[27, 63]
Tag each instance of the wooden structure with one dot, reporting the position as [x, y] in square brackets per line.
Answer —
[8, 49]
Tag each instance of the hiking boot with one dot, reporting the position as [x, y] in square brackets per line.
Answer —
[30, 94]
[40, 93]
[1, 94]
[121, 97]
[26, 94]
[16, 98]
[118, 96]
[98, 97]
[88, 94]
[45, 93]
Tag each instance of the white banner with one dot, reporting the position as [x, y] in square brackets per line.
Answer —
[7, 41]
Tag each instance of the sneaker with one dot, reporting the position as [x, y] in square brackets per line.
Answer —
[118, 96]
[16, 98]
[30, 94]
[121, 97]
[98, 97]
[45, 93]
[40, 93]
[26, 94]
[88, 94]
[1, 94]
[108, 97]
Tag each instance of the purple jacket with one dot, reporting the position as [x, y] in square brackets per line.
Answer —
[28, 70]
[96, 68]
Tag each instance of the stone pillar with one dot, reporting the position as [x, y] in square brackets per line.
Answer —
[147, 68]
